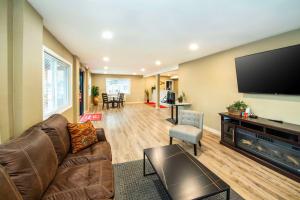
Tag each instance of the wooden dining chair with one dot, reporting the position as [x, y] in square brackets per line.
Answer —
[105, 101]
[120, 100]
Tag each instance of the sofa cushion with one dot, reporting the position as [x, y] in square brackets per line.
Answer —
[31, 163]
[98, 151]
[8, 189]
[56, 128]
[88, 181]
[83, 135]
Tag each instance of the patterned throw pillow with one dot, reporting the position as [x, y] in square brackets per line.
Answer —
[82, 135]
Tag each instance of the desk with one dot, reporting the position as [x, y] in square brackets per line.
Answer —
[176, 105]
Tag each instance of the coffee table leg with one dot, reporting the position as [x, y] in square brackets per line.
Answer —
[144, 170]
[144, 167]
[228, 194]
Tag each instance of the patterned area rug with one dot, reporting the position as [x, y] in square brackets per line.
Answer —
[130, 184]
[91, 117]
[152, 104]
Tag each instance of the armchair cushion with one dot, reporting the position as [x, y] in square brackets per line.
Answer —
[189, 117]
[187, 133]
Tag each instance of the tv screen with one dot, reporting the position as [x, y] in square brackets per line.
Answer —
[271, 72]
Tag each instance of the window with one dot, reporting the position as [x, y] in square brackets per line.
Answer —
[115, 86]
[56, 84]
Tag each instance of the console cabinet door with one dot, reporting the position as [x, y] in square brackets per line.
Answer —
[228, 133]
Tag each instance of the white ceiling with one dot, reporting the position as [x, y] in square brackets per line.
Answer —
[149, 30]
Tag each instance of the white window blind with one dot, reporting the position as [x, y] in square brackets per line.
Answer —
[56, 85]
[115, 85]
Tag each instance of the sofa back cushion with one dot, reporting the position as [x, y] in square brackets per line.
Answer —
[56, 128]
[31, 163]
[8, 189]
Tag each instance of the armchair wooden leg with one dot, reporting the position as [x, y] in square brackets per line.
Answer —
[199, 143]
[195, 149]
[171, 140]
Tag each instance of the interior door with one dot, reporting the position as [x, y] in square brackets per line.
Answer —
[81, 93]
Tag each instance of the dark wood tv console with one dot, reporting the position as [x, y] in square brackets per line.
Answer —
[275, 145]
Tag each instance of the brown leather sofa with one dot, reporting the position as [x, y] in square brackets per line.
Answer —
[39, 165]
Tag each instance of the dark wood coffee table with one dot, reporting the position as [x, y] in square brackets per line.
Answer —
[183, 176]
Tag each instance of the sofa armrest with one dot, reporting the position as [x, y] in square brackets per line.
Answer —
[100, 134]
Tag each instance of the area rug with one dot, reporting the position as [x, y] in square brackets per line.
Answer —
[152, 104]
[91, 117]
[130, 184]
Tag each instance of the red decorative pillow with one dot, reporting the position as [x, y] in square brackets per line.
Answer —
[82, 135]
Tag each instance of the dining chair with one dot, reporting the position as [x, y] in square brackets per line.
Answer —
[105, 101]
[120, 100]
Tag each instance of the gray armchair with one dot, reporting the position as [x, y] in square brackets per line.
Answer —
[189, 128]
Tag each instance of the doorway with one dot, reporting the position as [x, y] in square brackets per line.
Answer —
[81, 93]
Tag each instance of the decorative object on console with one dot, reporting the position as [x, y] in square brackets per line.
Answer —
[237, 108]
[95, 95]
[252, 115]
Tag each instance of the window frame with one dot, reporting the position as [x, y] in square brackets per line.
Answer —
[129, 80]
[69, 87]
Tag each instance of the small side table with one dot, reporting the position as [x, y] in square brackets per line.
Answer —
[176, 105]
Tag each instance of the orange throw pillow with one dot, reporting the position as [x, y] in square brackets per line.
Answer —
[82, 135]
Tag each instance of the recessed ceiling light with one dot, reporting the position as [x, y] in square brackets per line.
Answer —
[105, 59]
[107, 35]
[105, 67]
[134, 73]
[158, 62]
[143, 69]
[193, 46]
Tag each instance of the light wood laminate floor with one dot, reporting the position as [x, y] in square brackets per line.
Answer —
[138, 126]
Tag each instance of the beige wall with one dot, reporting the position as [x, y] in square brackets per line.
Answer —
[176, 86]
[137, 85]
[6, 130]
[151, 81]
[210, 84]
[22, 37]
[87, 97]
[72, 114]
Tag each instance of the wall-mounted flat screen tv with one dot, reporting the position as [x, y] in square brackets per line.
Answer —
[271, 72]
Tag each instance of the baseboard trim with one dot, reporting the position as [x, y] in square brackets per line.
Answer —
[134, 102]
[212, 130]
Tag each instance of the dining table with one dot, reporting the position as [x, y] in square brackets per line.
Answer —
[113, 98]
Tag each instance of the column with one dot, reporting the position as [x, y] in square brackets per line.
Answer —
[157, 91]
